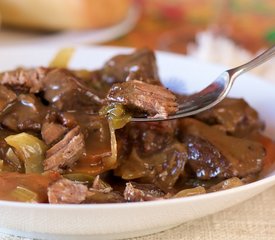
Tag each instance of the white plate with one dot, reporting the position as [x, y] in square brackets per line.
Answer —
[112, 221]
[10, 37]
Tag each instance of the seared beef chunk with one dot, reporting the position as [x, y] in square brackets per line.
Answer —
[66, 152]
[155, 100]
[135, 192]
[205, 159]
[27, 80]
[237, 156]
[52, 132]
[140, 65]
[153, 154]
[6, 97]
[150, 138]
[26, 114]
[234, 116]
[66, 92]
[162, 169]
[67, 191]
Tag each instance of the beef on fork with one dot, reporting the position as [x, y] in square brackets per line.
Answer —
[155, 100]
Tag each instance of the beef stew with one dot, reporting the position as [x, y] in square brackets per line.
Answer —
[66, 137]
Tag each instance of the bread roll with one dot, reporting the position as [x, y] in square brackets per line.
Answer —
[63, 14]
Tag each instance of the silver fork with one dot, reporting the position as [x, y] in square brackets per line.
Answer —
[215, 92]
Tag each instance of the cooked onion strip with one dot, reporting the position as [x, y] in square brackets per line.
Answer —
[23, 194]
[117, 118]
[1, 165]
[62, 58]
[30, 150]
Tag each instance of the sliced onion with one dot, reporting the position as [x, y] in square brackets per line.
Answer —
[23, 194]
[117, 118]
[190, 192]
[62, 58]
[30, 150]
[110, 162]
[1, 165]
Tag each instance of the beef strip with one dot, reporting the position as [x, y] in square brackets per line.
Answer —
[65, 191]
[135, 192]
[26, 114]
[219, 154]
[28, 80]
[7, 97]
[67, 92]
[66, 152]
[155, 100]
[140, 65]
[234, 116]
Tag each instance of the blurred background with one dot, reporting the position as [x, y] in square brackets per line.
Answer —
[224, 31]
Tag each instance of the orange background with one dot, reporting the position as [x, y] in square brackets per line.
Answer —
[170, 25]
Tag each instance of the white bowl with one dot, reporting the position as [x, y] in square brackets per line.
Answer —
[114, 221]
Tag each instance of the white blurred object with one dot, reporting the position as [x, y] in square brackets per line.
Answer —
[10, 37]
[212, 47]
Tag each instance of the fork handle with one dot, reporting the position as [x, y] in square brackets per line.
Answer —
[263, 57]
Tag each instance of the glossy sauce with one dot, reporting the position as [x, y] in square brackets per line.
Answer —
[36, 183]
